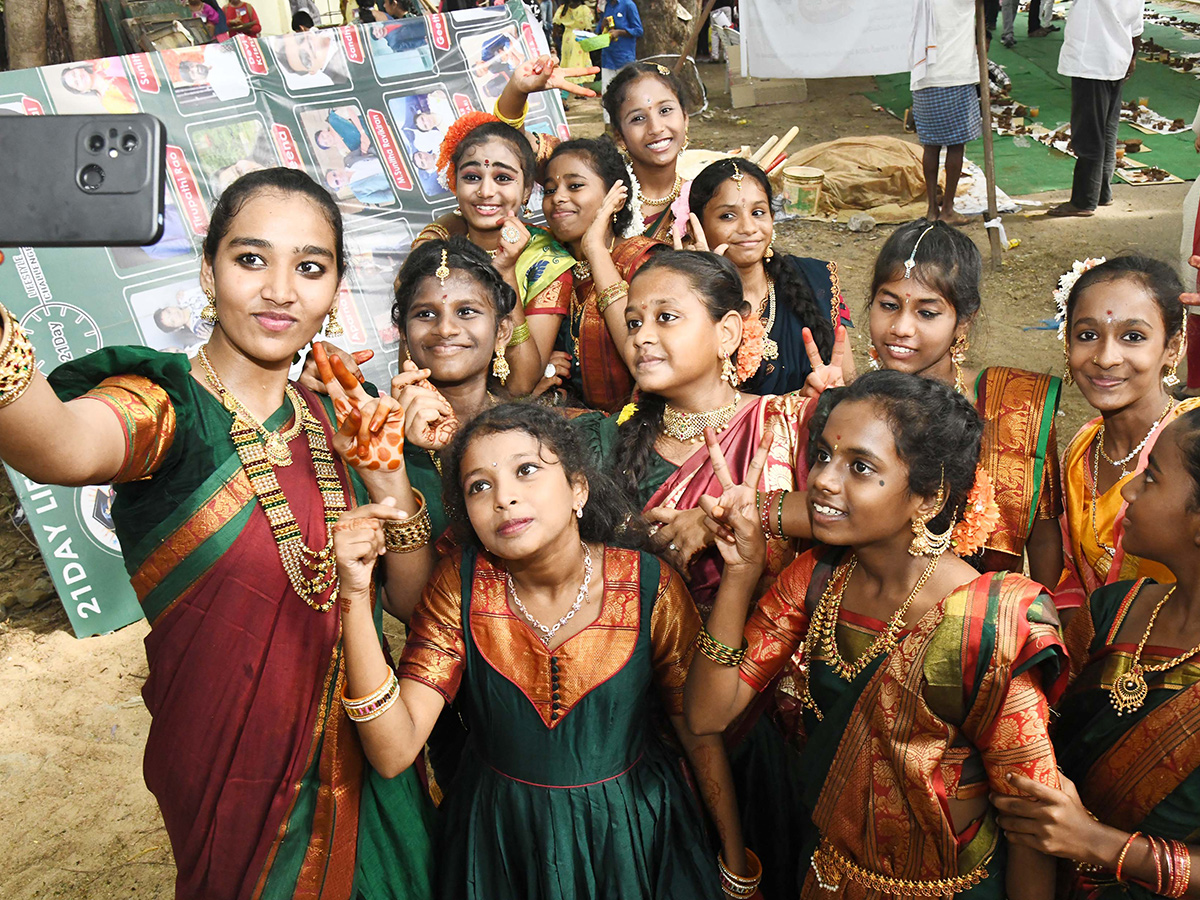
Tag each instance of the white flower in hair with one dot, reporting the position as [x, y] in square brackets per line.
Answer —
[638, 224]
[1066, 281]
[443, 177]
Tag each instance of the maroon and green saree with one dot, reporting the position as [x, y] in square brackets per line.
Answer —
[260, 777]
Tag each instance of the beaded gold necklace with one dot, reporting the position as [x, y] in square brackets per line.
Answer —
[252, 449]
[687, 427]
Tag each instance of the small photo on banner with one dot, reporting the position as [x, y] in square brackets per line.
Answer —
[231, 149]
[347, 160]
[168, 316]
[491, 61]
[96, 86]
[400, 49]
[206, 76]
[422, 121]
[311, 60]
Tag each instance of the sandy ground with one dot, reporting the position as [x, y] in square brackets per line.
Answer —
[72, 724]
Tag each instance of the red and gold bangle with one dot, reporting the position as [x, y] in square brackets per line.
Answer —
[1162, 860]
[734, 885]
[1181, 869]
[375, 704]
[763, 505]
[1121, 859]
[611, 294]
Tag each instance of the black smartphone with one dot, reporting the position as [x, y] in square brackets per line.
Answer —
[81, 181]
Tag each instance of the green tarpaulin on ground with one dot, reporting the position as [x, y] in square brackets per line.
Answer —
[1033, 67]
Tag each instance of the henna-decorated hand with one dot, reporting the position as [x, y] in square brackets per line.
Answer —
[429, 419]
[370, 433]
[310, 376]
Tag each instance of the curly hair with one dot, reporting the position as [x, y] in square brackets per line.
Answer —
[609, 516]
[1158, 278]
[281, 180]
[603, 158]
[947, 261]
[937, 433]
[461, 255]
[790, 286]
[715, 279]
[618, 88]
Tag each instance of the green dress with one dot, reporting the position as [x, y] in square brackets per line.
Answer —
[564, 790]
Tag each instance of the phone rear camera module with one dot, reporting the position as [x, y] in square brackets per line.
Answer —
[91, 177]
[95, 143]
[129, 142]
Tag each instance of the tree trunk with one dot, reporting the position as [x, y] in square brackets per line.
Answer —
[58, 46]
[83, 28]
[664, 31]
[25, 33]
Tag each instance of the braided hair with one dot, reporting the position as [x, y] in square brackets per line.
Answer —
[790, 285]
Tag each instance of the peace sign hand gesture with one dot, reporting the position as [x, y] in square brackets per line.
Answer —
[699, 239]
[544, 73]
[733, 516]
[370, 432]
[822, 377]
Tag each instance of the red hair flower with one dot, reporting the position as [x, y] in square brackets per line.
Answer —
[454, 135]
[750, 351]
[980, 517]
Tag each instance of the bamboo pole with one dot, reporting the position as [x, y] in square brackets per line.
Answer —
[689, 46]
[989, 149]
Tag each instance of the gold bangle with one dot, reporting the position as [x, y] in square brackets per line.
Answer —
[721, 654]
[734, 885]
[409, 534]
[520, 334]
[611, 294]
[17, 363]
[375, 704]
[517, 123]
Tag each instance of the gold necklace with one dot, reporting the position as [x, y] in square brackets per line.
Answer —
[1132, 454]
[643, 200]
[770, 347]
[1129, 691]
[688, 428]
[822, 630]
[274, 442]
[310, 572]
[583, 269]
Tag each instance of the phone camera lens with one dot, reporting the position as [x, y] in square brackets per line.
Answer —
[129, 142]
[95, 143]
[91, 177]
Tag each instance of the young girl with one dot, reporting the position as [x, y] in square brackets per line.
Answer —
[925, 300]
[1124, 340]
[587, 205]
[731, 200]
[645, 104]
[1124, 738]
[559, 636]
[262, 789]
[926, 683]
[569, 17]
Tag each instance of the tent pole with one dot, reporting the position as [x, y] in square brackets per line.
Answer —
[989, 150]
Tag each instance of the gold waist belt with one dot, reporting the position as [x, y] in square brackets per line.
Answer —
[830, 867]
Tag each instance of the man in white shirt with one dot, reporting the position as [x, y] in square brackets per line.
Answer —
[945, 99]
[1099, 52]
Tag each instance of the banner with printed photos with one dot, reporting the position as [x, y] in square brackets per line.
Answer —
[360, 108]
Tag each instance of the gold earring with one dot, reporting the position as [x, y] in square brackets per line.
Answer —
[1171, 379]
[686, 142]
[873, 359]
[457, 211]
[500, 367]
[958, 350]
[926, 542]
[333, 327]
[728, 371]
[770, 254]
[209, 313]
[1068, 378]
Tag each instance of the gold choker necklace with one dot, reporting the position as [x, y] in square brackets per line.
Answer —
[689, 428]
[643, 200]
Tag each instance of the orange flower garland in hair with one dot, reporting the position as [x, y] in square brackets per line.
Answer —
[980, 517]
[454, 135]
[750, 351]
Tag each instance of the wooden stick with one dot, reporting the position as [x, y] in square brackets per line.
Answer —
[779, 151]
[689, 46]
[765, 149]
[989, 148]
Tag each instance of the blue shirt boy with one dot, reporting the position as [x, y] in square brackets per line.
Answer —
[623, 50]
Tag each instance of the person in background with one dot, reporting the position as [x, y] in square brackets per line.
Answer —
[623, 24]
[210, 14]
[302, 21]
[242, 19]
[572, 15]
[1039, 20]
[1099, 52]
[945, 101]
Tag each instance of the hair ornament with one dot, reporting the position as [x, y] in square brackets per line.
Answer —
[980, 516]
[662, 70]
[638, 224]
[738, 175]
[911, 262]
[454, 136]
[442, 272]
[628, 411]
[750, 351]
[1066, 282]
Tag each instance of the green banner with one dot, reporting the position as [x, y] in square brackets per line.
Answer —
[361, 108]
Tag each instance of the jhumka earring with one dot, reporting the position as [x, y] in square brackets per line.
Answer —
[1171, 379]
[457, 211]
[926, 542]
[333, 326]
[209, 313]
[1068, 378]
[686, 142]
[500, 367]
[770, 251]
[728, 371]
